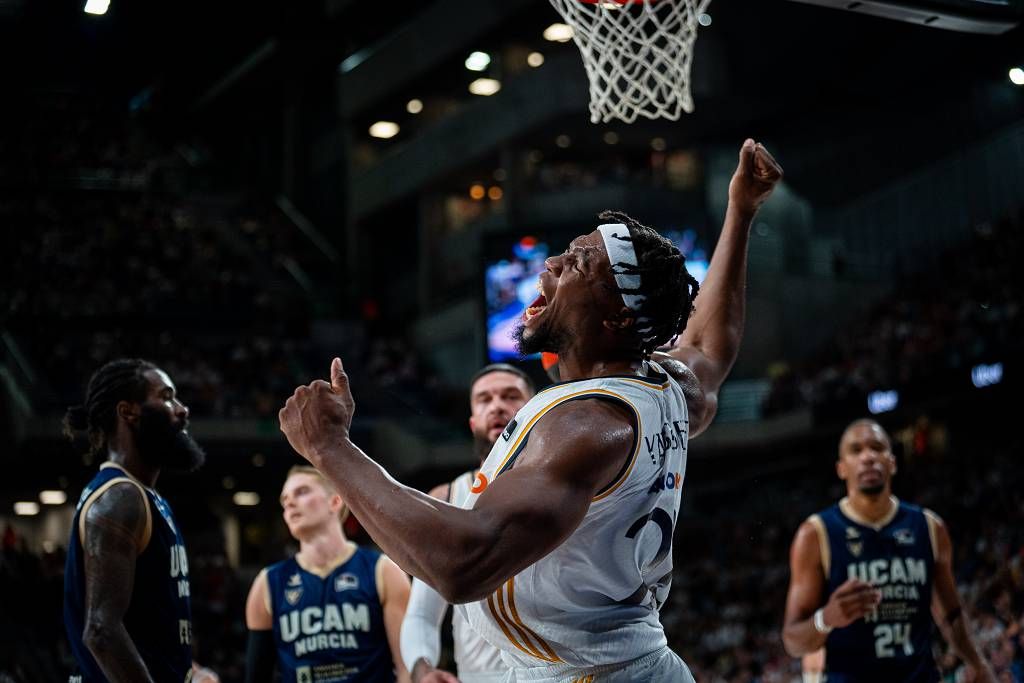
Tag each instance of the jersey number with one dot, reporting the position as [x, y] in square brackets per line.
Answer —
[663, 520]
[887, 635]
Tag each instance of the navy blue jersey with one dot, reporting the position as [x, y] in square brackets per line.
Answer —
[894, 643]
[330, 629]
[158, 619]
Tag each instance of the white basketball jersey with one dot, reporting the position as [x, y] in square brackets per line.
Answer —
[594, 600]
[477, 660]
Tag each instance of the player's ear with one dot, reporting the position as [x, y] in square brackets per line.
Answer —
[841, 469]
[336, 503]
[128, 411]
[472, 423]
[623, 319]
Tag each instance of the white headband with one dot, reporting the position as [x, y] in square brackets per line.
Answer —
[619, 245]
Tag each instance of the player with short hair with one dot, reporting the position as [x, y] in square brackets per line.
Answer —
[869, 574]
[496, 393]
[126, 587]
[332, 612]
[564, 556]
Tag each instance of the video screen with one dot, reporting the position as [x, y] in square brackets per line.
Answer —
[512, 265]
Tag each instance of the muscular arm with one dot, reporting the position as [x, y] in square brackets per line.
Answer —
[946, 607]
[710, 343]
[523, 515]
[115, 528]
[394, 600]
[806, 593]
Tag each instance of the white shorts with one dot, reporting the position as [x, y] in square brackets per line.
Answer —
[661, 666]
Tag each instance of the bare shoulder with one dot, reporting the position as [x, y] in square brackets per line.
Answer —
[698, 403]
[120, 509]
[583, 440]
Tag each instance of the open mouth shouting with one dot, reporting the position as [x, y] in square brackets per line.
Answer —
[539, 305]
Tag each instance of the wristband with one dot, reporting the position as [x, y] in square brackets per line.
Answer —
[819, 622]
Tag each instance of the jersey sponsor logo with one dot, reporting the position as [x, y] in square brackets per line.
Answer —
[330, 618]
[509, 428]
[897, 578]
[185, 631]
[672, 480]
[479, 484]
[672, 437]
[346, 582]
[852, 533]
[904, 536]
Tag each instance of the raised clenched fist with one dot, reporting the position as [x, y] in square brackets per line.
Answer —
[757, 174]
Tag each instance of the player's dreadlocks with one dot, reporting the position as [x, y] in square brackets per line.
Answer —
[667, 287]
[118, 380]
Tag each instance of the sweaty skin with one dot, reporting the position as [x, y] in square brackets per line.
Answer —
[574, 451]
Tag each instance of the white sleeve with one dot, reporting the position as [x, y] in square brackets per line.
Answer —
[421, 628]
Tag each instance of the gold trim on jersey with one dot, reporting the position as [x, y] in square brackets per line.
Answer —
[510, 617]
[847, 509]
[632, 461]
[544, 411]
[589, 678]
[823, 546]
[94, 496]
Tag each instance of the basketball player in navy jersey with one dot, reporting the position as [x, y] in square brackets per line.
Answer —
[564, 556]
[869, 575]
[126, 587]
[331, 613]
[496, 394]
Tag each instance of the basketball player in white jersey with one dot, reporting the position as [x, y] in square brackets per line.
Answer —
[496, 394]
[565, 555]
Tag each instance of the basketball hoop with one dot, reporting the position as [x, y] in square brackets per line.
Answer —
[637, 54]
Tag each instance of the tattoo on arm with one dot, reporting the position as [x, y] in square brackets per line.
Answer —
[115, 525]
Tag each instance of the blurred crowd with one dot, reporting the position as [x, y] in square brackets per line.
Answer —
[724, 612]
[965, 312]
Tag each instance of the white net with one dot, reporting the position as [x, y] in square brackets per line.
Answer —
[637, 54]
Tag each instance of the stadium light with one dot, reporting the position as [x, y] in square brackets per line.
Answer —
[535, 59]
[96, 6]
[704, 19]
[986, 375]
[485, 86]
[1017, 75]
[478, 61]
[414, 106]
[559, 33]
[246, 498]
[26, 508]
[384, 130]
[883, 401]
[52, 497]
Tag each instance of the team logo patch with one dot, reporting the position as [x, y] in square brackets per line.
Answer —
[509, 428]
[855, 547]
[479, 484]
[346, 582]
[904, 536]
[293, 595]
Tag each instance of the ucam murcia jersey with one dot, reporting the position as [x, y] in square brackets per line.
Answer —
[477, 660]
[897, 556]
[158, 619]
[594, 600]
